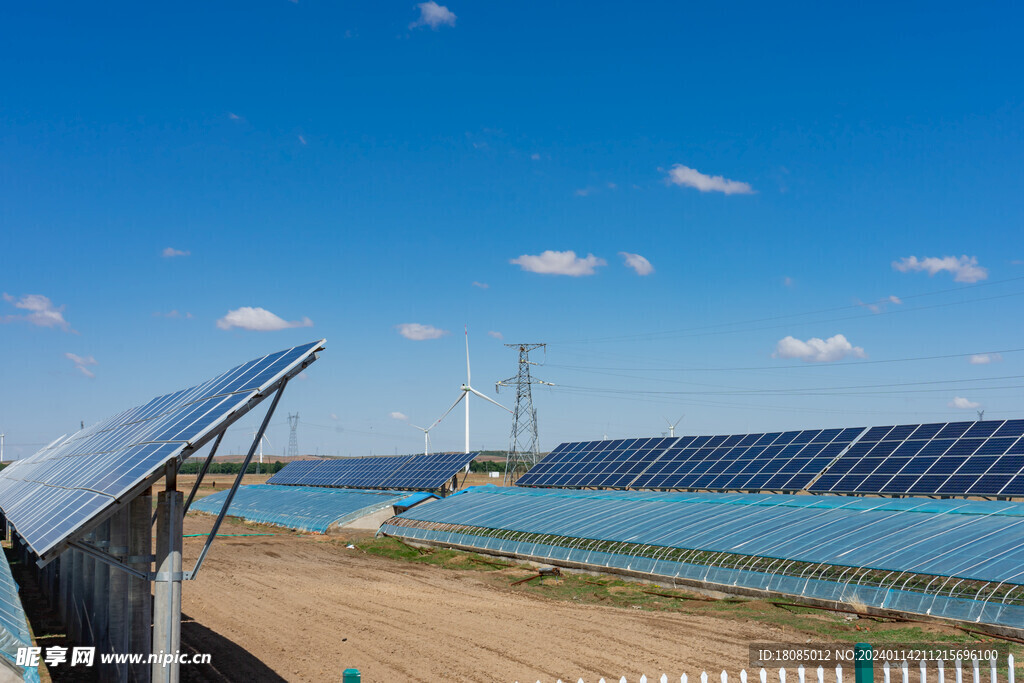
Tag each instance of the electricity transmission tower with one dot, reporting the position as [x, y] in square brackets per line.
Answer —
[522, 450]
[293, 438]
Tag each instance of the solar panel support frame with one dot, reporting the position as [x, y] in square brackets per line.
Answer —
[238, 480]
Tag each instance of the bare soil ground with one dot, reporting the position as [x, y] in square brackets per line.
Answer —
[308, 608]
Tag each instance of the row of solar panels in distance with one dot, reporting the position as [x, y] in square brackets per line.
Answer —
[955, 458]
[776, 461]
[429, 471]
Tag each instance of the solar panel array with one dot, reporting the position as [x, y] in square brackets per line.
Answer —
[428, 472]
[954, 458]
[776, 461]
[944, 459]
[51, 495]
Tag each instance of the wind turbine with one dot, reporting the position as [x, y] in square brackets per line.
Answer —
[467, 389]
[260, 468]
[671, 426]
[426, 434]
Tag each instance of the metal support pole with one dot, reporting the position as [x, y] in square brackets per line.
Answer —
[101, 589]
[75, 603]
[140, 603]
[65, 585]
[167, 586]
[863, 665]
[118, 639]
[202, 472]
[238, 480]
[88, 634]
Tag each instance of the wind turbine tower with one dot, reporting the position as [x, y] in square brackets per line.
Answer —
[523, 450]
[672, 425]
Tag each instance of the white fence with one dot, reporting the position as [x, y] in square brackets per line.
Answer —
[958, 672]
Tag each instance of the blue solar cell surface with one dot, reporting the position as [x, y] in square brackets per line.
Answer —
[53, 494]
[306, 508]
[429, 471]
[954, 458]
[777, 461]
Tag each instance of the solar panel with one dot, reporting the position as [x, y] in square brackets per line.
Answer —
[67, 487]
[608, 464]
[776, 461]
[428, 472]
[954, 458]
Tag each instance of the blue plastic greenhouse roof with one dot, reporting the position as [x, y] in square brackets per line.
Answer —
[307, 508]
[976, 540]
[14, 631]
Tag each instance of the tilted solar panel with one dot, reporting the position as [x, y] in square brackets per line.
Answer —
[609, 464]
[777, 461]
[953, 458]
[72, 484]
[427, 472]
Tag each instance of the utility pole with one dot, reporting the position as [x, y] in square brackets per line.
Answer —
[523, 452]
[2, 447]
[293, 437]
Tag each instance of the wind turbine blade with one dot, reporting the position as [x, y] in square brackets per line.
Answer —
[462, 395]
[467, 355]
[488, 398]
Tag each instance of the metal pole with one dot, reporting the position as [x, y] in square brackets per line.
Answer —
[863, 665]
[138, 618]
[117, 599]
[167, 586]
[75, 603]
[88, 635]
[238, 480]
[101, 589]
[202, 472]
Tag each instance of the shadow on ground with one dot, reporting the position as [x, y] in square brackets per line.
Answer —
[229, 661]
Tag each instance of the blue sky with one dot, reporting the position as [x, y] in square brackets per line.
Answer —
[774, 174]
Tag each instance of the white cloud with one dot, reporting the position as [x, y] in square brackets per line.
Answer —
[559, 263]
[171, 252]
[234, 117]
[81, 364]
[398, 416]
[788, 281]
[985, 358]
[583, 192]
[41, 311]
[816, 350]
[637, 262]
[173, 314]
[481, 285]
[434, 16]
[535, 156]
[334, 416]
[685, 176]
[962, 403]
[258, 319]
[881, 304]
[964, 269]
[496, 335]
[302, 139]
[418, 332]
